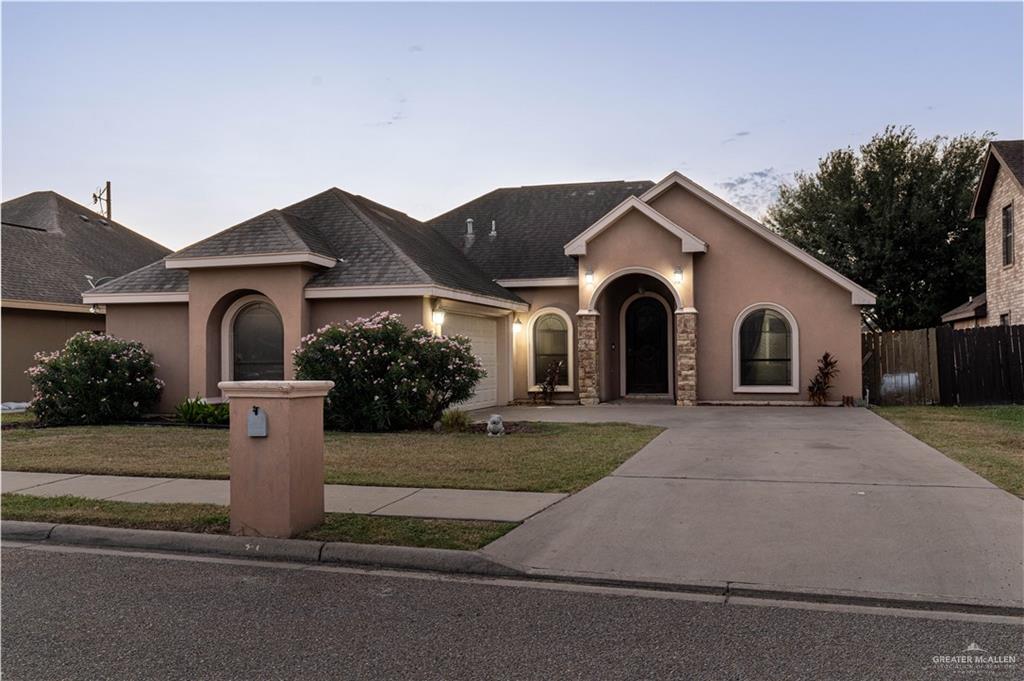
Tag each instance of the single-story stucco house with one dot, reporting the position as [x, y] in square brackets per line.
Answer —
[53, 250]
[641, 289]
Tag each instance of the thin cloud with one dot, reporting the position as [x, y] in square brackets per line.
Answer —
[755, 191]
[736, 136]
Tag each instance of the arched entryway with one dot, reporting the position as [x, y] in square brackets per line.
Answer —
[645, 332]
[636, 320]
[252, 338]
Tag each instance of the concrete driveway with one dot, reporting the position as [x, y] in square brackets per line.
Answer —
[785, 498]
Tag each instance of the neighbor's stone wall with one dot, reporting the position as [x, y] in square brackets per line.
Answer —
[586, 357]
[1004, 284]
[686, 359]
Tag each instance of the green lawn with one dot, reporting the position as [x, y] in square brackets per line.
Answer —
[18, 418]
[988, 440]
[550, 457]
[466, 535]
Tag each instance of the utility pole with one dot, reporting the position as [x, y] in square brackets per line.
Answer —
[102, 197]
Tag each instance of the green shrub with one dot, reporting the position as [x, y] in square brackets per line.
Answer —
[197, 411]
[94, 379]
[821, 383]
[386, 376]
[455, 421]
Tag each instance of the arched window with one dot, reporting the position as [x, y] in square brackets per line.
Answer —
[253, 347]
[765, 350]
[550, 342]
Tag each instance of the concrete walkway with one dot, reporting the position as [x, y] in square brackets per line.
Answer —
[789, 498]
[455, 504]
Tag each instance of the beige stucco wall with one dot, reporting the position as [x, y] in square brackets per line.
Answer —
[1004, 284]
[26, 332]
[163, 329]
[635, 241]
[327, 310]
[211, 293]
[740, 269]
[564, 298]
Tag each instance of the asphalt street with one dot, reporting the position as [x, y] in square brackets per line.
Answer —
[102, 614]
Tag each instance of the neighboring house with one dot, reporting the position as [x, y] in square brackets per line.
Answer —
[640, 289]
[999, 199]
[53, 251]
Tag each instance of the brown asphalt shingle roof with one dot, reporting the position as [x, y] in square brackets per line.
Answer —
[533, 225]
[50, 244]
[375, 246]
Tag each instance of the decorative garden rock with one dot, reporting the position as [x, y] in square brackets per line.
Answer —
[495, 427]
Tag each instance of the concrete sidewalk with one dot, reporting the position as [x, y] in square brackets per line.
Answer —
[455, 504]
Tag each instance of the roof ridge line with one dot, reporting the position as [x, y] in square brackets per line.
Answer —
[412, 264]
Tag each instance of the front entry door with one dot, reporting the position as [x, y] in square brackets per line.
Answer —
[646, 347]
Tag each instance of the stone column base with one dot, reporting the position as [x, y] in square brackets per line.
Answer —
[686, 357]
[586, 359]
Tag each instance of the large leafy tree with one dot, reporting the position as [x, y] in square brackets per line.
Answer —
[893, 217]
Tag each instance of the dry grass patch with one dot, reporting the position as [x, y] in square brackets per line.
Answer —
[987, 440]
[548, 457]
[466, 535]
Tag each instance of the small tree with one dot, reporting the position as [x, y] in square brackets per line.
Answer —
[894, 217]
[821, 383]
[386, 376]
[94, 379]
[550, 383]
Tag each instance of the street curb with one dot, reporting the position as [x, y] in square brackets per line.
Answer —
[464, 563]
[264, 548]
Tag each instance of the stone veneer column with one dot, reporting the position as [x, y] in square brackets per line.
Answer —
[686, 357]
[586, 358]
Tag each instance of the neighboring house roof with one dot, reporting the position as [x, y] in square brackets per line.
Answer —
[1009, 154]
[51, 243]
[533, 224]
[975, 308]
[368, 245]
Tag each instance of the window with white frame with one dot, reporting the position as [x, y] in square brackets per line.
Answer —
[765, 350]
[550, 344]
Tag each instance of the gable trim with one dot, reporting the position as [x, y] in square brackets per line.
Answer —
[158, 297]
[858, 294]
[690, 243]
[987, 179]
[411, 290]
[299, 257]
[46, 306]
[538, 282]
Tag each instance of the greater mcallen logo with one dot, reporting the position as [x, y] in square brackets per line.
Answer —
[974, 658]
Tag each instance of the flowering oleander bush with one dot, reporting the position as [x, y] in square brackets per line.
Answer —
[94, 379]
[387, 376]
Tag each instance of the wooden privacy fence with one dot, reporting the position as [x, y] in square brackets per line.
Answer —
[984, 365]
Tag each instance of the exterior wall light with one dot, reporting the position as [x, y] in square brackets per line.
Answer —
[517, 325]
[437, 316]
[678, 276]
[589, 277]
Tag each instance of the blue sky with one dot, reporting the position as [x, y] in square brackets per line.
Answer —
[203, 115]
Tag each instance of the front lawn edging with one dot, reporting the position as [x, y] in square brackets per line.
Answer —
[264, 548]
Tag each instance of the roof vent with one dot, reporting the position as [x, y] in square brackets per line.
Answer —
[494, 228]
[83, 218]
[469, 226]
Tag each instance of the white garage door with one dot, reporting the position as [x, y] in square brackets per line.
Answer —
[483, 333]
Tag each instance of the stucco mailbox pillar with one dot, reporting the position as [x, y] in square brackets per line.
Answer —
[276, 456]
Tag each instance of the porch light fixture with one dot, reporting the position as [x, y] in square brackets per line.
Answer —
[589, 277]
[437, 316]
[517, 325]
[678, 276]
